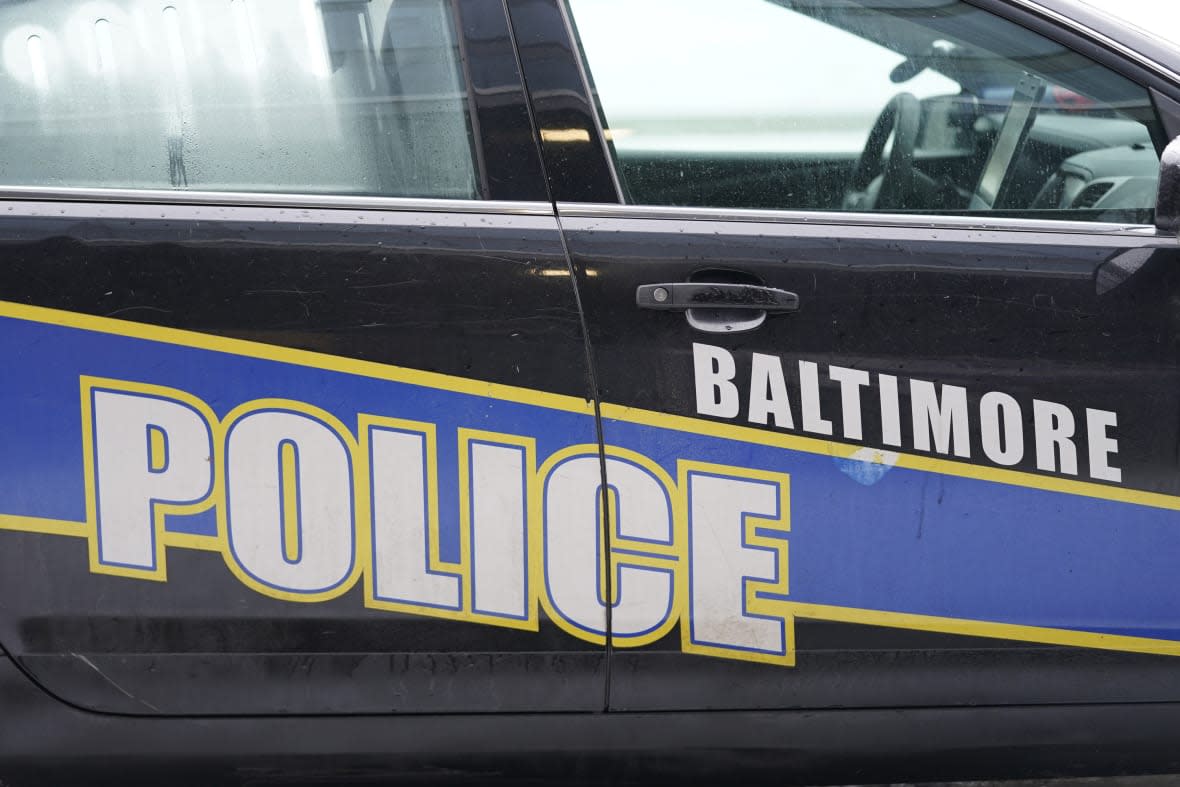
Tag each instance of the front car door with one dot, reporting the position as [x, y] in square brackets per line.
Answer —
[897, 424]
[288, 332]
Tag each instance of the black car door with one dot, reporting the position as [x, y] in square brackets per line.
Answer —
[288, 332]
[916, 444]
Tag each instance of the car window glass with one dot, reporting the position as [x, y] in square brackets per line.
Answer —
[293, 96]
[924, 106]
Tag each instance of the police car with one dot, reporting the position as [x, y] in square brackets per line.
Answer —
[588, 390]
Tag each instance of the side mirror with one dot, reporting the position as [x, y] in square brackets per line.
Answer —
[1167, 205]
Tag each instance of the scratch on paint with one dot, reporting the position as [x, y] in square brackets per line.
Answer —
[117, 687]
[127, 309]
[922, 506]
[867, 466]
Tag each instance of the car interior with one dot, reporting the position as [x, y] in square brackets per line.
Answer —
[267, 96]
[1036, 130]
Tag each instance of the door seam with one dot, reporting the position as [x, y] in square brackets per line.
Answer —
[591, 368]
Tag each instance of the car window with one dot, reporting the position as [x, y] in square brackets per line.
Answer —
[924, 106]
[293, 96]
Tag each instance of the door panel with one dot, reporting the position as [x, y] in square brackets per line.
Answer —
[344, 318]
[948, 477]
[278, 453]
[911, 568]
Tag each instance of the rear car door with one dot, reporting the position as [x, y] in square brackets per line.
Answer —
[287, 330]
[887, 351]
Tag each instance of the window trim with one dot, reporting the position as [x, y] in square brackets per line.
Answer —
[24, 194]
[836, 220]
[571, 32]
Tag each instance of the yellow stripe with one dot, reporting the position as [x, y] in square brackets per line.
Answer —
[192, 541]
[49, 527]
[976, 628]
[573, 404]
[61, 527]
[927, 464]
[315, 360]
[970, 628]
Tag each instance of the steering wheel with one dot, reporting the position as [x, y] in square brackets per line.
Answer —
[879, 182]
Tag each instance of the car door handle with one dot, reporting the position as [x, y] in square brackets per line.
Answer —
[682, 296]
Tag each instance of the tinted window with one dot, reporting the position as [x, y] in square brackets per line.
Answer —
[235, 95]
[928, 106]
